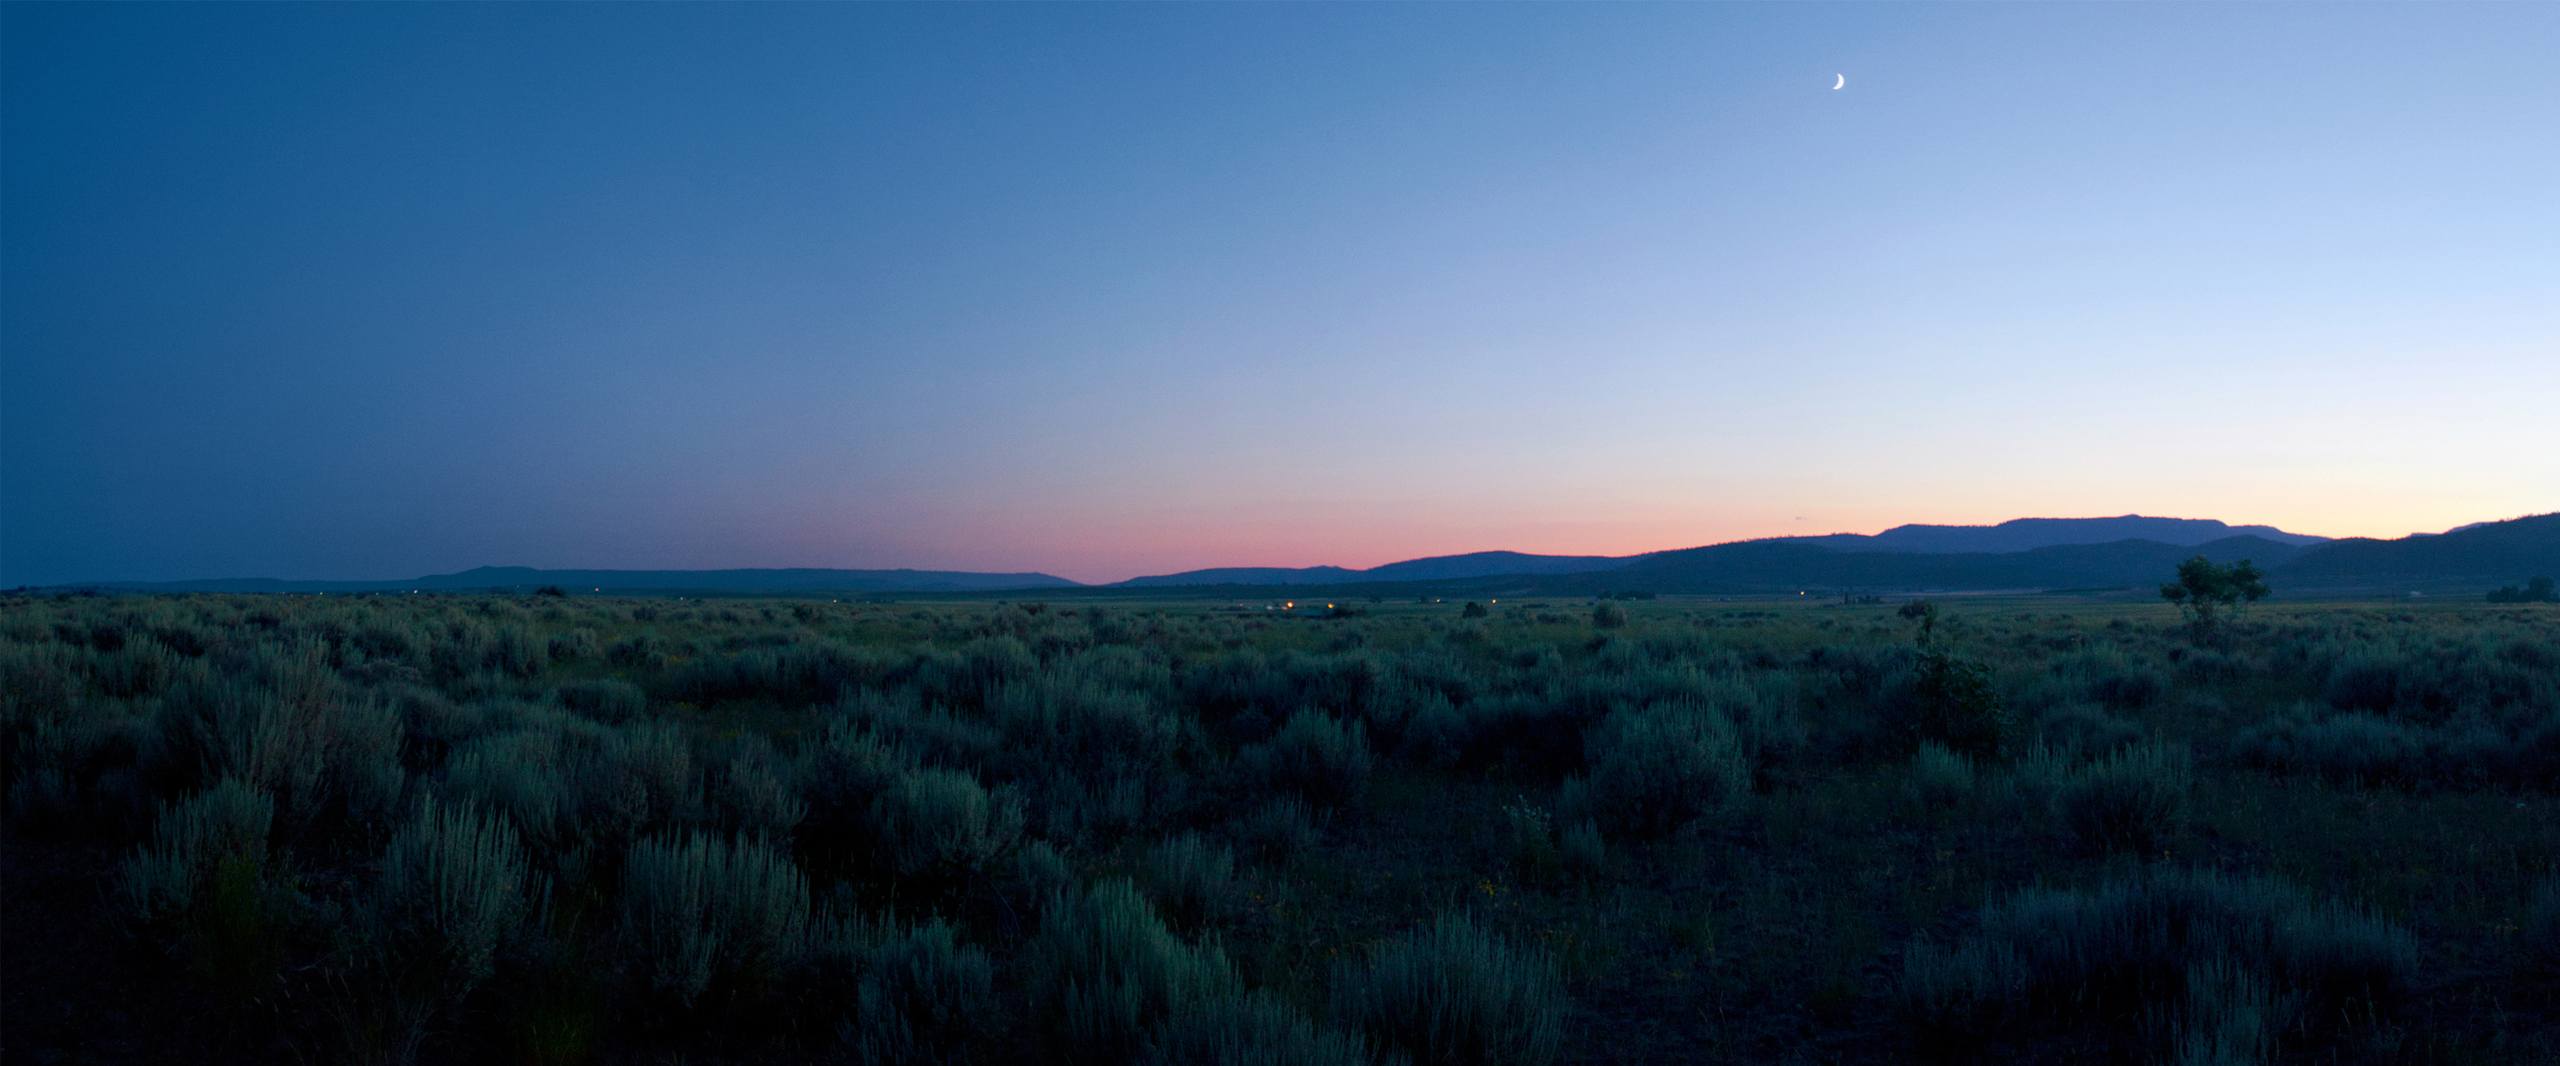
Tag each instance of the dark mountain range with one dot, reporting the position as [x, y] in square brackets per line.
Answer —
[1433, 568]
[2029, 534]
[1786, 565]
[1900, 560]
[2483, 553]
[526, 578]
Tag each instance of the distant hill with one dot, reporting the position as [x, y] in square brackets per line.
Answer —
[2029, 534]
[1798, 565]
[2029, 554]
[525, 578]
[2483, 553]
[1434, 568]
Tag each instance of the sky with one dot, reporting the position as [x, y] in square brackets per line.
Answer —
[376, 291]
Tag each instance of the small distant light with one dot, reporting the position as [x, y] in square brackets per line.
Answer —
[598, 588]
[1493, 601]
[1289, 606]
[1328, 606]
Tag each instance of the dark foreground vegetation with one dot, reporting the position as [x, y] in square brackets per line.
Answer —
[564, 830]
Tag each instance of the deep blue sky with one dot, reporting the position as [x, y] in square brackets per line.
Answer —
[378, 290]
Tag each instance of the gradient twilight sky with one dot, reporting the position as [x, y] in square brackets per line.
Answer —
[376, 291]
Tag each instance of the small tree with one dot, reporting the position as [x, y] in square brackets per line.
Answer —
[2538, 590]
[2204, 591]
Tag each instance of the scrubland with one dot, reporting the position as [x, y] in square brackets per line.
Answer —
[505, 829]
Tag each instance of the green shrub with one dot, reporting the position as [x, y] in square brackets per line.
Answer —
[1583, 851]
[1453, 994]
[1607, 615]
[2357, 747]
[635, 779]
[518, 774]
[608, 700]
[2230, 1019]
[1952, 701]
[296, 732]
[1256, 1029]
[923, 997]
[1276, 829]
[1315, 757]
[2540, 931]
[758, 792]
[1955, 996]
[942, 826]
[574, 645]
[1939, 778]
[223, 828]
[1655, 771]
[456, 885]
[1529, 841]
[2085, 730]
[2134, 800]
[1192, 878]
[204, 883]
[2130, 947]
[701, 913]
[1106, 972]
[1094, 759]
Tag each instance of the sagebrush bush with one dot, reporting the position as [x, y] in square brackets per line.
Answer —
[1939, 778]
[2356, 747]
[1959, 995]
[1529, 841]
[608, 700]
[1316, 757]
[296, 732]
[2540, 930]
[1255, 1029]
[1584, 853]
[2230, 1018]
[1276, 829]
[1192, 879]
[943, 826]
[204, 885]
[1656, 770]
[758, 792]
[1106, 972]
[456, 885]
[701, 912]
[2084, 730]
[2134, 800]
[633, 779]
[1450, 993]
[219, 832]
[2126, 949]
[925, 997]
[519, 774]
[1094, 760]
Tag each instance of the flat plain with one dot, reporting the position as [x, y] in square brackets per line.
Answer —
[570, 829]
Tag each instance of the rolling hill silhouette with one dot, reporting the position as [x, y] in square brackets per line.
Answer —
[2028, 554]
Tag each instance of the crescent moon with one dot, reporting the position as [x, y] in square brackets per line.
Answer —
[1842, 80]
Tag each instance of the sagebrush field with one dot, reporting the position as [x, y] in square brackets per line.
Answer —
[507, 829]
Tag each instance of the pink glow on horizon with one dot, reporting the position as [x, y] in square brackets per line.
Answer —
[1099, 549]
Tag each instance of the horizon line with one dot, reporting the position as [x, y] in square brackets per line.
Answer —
[1037, 572]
